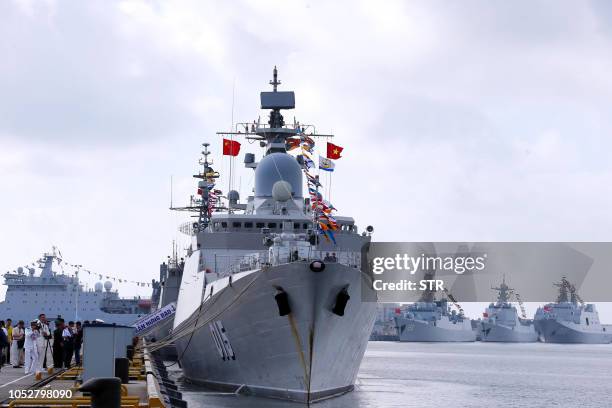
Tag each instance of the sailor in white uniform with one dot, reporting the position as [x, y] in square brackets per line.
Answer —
[32, 334]
[42, 343]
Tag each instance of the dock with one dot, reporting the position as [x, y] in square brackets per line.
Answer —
[59, 388]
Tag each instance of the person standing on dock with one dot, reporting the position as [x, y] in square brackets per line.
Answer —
[32, 334]
[68, 336]
[3, 342]
[9, 329]
[78, 342]
[43, 342]
[17, 345]
[58, 344]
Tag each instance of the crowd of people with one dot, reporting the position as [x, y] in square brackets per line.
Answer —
[35, 346]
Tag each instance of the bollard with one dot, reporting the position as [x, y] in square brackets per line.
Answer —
[122, 369]
[105, 392]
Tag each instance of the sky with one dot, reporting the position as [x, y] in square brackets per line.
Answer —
[470, 121]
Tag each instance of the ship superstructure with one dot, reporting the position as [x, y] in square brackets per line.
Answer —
[501, 321]
[267, 304]
[58, 294]
[570, 319]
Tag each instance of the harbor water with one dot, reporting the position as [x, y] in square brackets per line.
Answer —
[460, 375]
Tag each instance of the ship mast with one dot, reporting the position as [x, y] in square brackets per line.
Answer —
[503, 292]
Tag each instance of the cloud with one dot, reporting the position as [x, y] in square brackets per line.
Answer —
[484, 121]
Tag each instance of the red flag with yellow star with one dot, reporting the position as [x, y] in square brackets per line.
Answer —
[333, 151]
[231, 147]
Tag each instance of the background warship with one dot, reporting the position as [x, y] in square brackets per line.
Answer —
[57, 294]
[501, 322]
[570, 320]
[432, 320]
[263, 307]
[166, 292]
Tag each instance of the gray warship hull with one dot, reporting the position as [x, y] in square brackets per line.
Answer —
[505, 334]
[553, 331]
[422, 331]
[162, 332]
[309, 355]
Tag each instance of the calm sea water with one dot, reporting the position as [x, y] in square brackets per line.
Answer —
[427, 375]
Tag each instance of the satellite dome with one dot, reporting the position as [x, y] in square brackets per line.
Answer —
[281, 191]
[278, 167]
[98, 287]
[31, 271]
[108, 285]
[20, 270]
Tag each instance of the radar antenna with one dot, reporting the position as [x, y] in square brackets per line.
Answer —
[275, 82]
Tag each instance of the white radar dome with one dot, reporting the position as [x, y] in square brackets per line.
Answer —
[278, 167]
[108, 285]
[98, 287]
[281, 191]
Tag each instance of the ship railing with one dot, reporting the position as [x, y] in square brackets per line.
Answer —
[251, 128]
[226, 265]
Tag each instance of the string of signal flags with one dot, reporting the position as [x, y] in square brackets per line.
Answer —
[79, 268]
[323, 209]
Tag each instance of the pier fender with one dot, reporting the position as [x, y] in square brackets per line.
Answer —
[282, 301]
[342, 299]
[317, 266]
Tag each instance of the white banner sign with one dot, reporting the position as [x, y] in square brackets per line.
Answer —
[154, 318]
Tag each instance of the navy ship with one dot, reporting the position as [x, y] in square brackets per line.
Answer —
[57, 294]
[501, 322]
[570, 320]
[433, 321]
[166, 293]
[271, 295]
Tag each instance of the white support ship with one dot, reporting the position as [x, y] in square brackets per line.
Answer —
[262, 306]
[57, 294]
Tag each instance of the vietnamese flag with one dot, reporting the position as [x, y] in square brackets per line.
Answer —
[231, 147]
[333, 151]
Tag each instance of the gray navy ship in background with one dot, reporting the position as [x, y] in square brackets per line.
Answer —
[501, 322]
[57, 294]
[262, 306]
[165, 292]
[570, 320]
[431, 320]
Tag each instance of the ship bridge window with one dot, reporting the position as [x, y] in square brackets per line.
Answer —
[224, 225]
[305, 226]
[260, 225]
[236, 224]
[296, 225]
[248, 225]
[271, 225]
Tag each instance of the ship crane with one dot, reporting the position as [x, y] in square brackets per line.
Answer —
[521, 305]
[453, 301]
